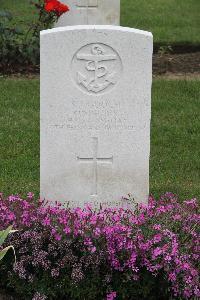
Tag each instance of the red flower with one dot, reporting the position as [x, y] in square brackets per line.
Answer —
[49, 6]
[55, 6]
[62, 8]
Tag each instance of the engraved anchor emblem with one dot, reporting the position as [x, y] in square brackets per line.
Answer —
[101, 77]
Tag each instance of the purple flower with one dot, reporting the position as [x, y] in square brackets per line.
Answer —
[111, 296]
[38, 296]
[56, 243]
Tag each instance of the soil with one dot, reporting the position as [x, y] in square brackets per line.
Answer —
[183, 63]
[169, 64]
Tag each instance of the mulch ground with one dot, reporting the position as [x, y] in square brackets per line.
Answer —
[163, 64]
[183, 63]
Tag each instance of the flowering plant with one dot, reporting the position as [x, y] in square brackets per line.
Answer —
[152, 252]
[56, 7]
[20, 49]
[49, 11]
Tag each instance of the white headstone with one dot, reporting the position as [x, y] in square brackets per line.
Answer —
[90, 12]
[95, 114]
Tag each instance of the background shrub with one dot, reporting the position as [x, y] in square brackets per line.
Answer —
[16, 46]
[21, 48]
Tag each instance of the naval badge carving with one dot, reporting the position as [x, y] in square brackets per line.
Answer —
[96, 68]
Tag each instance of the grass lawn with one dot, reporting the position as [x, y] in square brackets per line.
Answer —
[175, 139]
[171, 21]
[19, 135]
[175, 142]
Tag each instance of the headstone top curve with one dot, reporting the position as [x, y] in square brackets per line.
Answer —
[96, 27]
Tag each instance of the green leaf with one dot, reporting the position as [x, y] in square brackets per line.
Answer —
[4, 234]
[5, 14]
[5, 250]
[18, 30]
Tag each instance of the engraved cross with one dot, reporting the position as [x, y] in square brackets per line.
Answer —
[95, 160]
[87, 5]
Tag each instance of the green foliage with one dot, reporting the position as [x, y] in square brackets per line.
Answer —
[16, 47]
[20, 47]
[3, 236]
[9, 37]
